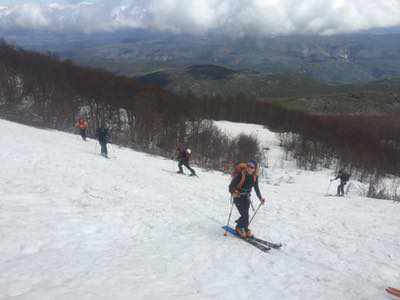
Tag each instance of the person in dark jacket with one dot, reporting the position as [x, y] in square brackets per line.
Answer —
[102, 135]
[183, 158]
[240, 188]
[344, 178]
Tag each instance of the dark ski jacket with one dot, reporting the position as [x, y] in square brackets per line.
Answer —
[102, 135]
[248, 184]
[182, 154]
[344, 177]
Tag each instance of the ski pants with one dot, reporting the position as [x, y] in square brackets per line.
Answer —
[83, 133]
[340, 188]
[186, 164]
[243, 205]
[104, 149]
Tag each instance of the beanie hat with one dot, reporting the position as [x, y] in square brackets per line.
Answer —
[252, 162]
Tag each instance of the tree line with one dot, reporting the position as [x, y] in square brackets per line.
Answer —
[42, 90]
[366, 145]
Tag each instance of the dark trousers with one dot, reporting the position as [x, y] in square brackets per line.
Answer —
[104, 149]
[186, 164]
[243, 204]
[340, 188]
[83, 133]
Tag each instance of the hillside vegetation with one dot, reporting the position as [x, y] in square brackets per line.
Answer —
[42, 90]
[218, 81]
[290, 90]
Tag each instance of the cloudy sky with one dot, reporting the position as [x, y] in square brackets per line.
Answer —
[198, 16]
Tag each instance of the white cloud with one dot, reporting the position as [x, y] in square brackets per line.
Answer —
[197, 16]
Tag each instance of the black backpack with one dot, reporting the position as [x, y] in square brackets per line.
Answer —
[345, 177]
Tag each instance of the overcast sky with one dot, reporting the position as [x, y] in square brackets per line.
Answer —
[198, 16]
[11, 2]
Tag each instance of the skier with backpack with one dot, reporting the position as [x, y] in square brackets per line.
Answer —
[103, 136]
[82, 125]
[244, 178]
[184, 155]
[344, 178]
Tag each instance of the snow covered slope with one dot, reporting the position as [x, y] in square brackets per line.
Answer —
[74, 225]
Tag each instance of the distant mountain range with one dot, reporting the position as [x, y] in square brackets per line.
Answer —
[355, 73]
[290, 90]
[351, 58]
[218, 81]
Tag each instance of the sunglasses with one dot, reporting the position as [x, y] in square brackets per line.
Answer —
[251, 166]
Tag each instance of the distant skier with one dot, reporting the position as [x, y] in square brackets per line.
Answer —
[244, 179]
[344, 178]
[82, 125]
[184, 155]
[103, 136]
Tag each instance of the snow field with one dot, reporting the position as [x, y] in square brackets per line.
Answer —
[74, 225]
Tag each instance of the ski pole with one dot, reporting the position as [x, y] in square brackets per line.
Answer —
[327, 191]
[255, 213]
[251, 204]
[229, 218]
[112, 152]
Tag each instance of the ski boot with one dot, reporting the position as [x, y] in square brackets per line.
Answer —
[249, 234]
[240, 232]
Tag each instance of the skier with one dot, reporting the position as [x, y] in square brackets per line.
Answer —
[82, 125]
[183, 158]
[240, 189]
[344, 178]
[102, 135]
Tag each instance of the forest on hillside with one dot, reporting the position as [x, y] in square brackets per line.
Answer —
[42, 90]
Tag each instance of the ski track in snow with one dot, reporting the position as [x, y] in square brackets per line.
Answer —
[74, 225]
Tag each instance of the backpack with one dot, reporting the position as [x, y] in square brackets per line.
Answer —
[184, 152]
[346, 177]
[241, 168]
[188, 153]
[82, 124]
[103, 135]
[238, 169]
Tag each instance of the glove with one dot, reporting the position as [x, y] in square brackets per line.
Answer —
[235, 194]
[262, 200]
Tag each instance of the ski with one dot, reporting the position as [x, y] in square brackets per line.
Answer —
[256, 244]
[393, 292]
[268, 243]
[259, 246]
[258, 240]
[182, 174]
